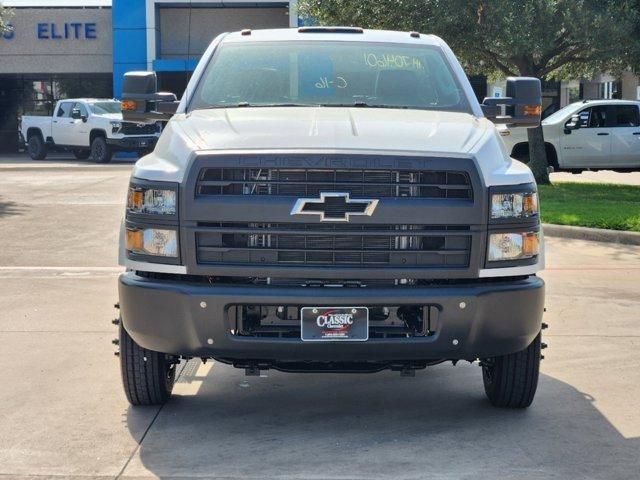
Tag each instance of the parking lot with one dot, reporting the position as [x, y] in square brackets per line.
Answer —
[65, 415]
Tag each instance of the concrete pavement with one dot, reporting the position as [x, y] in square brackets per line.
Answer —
[64, 414]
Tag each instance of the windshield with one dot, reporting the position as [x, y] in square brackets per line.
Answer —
[329, 74]
[100, 108]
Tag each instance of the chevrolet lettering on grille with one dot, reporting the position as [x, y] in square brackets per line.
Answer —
[334, 206]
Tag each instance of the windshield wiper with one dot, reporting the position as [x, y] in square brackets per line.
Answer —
[258, 105]
[363, 104]
[283, 104]
[356, 104]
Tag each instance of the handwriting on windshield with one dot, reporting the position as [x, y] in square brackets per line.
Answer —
[389, 60]
[324, 82]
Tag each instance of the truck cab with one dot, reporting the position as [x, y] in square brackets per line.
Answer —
[331, 200]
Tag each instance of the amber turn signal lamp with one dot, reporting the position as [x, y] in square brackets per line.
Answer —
[135, 200]
[533, 110]
[128, 105]
[530, 244]
[530, 204]
[134, 240]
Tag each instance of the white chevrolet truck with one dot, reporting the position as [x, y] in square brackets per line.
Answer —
[586, 135]
[88, 128]
[331, 200]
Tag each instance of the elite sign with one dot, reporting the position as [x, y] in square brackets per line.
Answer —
[66, 31]
[60, 31]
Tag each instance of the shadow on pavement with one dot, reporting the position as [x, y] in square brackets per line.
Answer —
[436, 425]
[9, 208]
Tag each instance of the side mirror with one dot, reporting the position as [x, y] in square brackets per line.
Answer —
[523, 103]
[141, 101]
[75, 114]
[573, 124]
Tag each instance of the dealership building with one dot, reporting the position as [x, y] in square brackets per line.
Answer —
[81, 48]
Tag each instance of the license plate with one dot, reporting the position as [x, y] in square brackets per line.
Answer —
[334, 324]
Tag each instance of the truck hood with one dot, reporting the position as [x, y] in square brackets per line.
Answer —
[330, 128]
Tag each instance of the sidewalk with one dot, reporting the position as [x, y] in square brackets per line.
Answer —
[603, 176]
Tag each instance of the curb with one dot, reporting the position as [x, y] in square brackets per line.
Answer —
[592, 234]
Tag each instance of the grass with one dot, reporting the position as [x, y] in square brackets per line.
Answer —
[595, 205]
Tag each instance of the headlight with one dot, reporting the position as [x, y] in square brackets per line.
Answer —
[116, 126]
[153, 241]
[153, 201]
[514, 205]
[513, 246]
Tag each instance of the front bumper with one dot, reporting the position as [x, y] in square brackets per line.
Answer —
[133, 143]
[499, 317]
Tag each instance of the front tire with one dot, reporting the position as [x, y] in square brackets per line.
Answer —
[147, 376]
[36, 147]
[101, 151]
[510, 381]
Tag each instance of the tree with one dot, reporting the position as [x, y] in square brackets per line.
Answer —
[5, 15]
[547, 39]
[634, 46]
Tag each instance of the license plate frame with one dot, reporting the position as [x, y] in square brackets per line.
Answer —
[340, 324]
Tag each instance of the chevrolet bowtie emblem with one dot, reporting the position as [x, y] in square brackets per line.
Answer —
[334, 207]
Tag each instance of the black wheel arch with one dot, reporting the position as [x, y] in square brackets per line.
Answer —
[520, 151]
[31, 131]
[96, 132]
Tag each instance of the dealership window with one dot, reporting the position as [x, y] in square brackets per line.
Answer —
[40, 94]
[35, 94]
[174, 82]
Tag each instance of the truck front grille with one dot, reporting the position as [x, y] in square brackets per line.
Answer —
[129, 128]
[327, 244]
[254, 215]
[310, 182]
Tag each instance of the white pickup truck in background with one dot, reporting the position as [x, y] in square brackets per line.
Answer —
[87, 127]
[588, 135]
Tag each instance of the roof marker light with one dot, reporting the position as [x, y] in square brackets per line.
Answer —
[330, 30]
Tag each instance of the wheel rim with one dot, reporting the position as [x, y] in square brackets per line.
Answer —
[98, 151]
